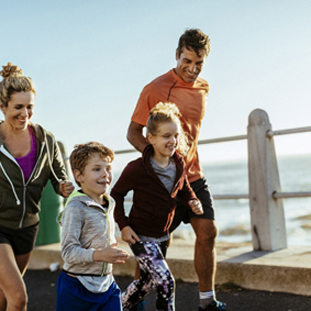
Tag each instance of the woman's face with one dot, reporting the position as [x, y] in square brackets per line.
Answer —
[19, 110]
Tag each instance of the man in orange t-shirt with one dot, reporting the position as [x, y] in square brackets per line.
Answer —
[183, 86]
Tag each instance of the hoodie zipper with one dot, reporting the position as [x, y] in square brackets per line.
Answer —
[108, 227]
[26, 184]
[108, 234]
[108, 230]
[159, 181]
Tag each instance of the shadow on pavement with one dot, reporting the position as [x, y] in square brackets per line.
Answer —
[41, 288]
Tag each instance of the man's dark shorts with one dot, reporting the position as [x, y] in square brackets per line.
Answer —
[21, 240]
[203, 193]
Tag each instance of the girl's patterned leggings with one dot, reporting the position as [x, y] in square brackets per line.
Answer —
[154, 273]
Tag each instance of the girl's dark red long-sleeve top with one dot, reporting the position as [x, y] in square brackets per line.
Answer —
[153, 206]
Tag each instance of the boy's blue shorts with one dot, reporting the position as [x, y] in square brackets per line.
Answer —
[73, 296]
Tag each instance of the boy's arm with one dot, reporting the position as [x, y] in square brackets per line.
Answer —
[111, 254]
[71, 249]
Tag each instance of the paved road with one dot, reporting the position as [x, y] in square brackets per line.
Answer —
[41, 287]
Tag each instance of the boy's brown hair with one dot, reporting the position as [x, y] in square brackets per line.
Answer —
[83, 152]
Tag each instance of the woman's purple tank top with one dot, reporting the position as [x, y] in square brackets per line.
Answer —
[27, 162]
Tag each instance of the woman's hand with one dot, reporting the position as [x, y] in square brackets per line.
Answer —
[196, 206]
[129, 236]
[111, 254]
[66, 187]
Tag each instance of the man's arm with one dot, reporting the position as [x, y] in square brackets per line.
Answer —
[135, 136]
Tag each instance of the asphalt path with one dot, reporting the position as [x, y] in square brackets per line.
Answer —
[41, 288]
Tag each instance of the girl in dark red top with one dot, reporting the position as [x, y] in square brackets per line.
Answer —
[156, 179]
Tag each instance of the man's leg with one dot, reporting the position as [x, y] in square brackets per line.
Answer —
[205, 253]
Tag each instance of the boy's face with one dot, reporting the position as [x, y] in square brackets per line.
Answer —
[96, 177]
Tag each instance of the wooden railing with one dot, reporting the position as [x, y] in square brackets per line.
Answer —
[265, 195]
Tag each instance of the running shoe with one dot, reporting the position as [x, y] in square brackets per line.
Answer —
[215, 306]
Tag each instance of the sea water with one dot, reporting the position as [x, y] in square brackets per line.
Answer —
[233, 216]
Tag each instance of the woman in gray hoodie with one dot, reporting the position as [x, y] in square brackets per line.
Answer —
[29, 157]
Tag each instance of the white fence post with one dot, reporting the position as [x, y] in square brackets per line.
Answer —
[267, 214]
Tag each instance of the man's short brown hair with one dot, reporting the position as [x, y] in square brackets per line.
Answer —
[194, 39]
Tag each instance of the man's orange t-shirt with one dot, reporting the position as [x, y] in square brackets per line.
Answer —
[191, 101]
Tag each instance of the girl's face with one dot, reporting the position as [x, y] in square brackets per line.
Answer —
[19, 110]
[165, 141]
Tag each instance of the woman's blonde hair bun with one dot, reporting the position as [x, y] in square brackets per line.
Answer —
[14, 81]
[11, 70]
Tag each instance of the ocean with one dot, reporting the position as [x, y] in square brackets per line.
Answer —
[233, 216]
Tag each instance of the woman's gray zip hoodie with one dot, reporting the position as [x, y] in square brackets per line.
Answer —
[20, 200]
[86, 226]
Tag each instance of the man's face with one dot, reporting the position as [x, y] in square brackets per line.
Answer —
[189, 64]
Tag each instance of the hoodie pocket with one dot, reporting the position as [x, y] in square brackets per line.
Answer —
[33, 197]
[9, 208]
[145, 212]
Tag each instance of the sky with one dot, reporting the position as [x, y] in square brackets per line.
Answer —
[91, 59]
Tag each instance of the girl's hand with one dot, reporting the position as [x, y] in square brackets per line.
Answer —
[196, 206]
[111, 254]
[66, 187]
[129, 236]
